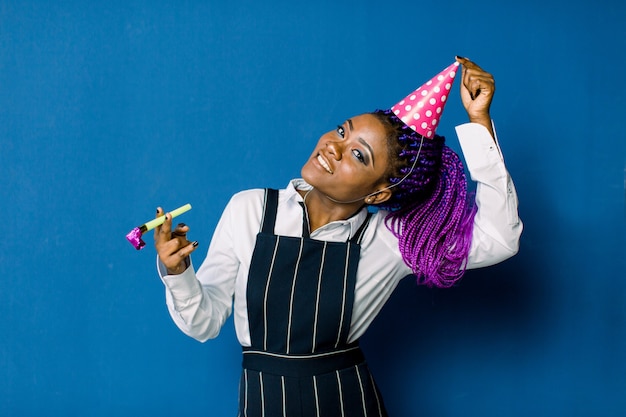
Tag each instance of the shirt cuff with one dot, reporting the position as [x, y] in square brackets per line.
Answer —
[479, 148]
[181, 286]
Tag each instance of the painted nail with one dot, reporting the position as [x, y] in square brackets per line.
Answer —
[195, 243]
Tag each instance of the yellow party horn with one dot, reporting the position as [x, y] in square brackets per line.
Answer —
[134, 236]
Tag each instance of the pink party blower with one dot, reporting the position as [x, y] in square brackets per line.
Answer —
[134, 236]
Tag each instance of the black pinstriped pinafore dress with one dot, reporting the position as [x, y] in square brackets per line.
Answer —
[300, 296]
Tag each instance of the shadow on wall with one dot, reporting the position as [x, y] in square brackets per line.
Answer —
[483, 345]
[458, 346]
[433, 345]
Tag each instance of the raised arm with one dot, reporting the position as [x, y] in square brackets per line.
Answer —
[497, 226]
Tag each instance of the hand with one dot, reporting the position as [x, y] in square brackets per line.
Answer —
[173, 247]
[477, 89]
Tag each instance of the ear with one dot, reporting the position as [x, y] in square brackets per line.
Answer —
[378, 197]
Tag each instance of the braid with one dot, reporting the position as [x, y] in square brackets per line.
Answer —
[430, 213]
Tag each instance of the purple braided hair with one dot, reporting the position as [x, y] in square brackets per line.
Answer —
[429, 210]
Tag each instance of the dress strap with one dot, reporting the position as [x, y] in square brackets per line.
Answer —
[270, 208]
[305, 222]
[359, 233]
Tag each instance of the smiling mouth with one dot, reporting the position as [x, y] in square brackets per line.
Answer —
[324, 164]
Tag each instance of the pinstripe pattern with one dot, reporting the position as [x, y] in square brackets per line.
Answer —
[378, 402]
[267, 286]
[245, 393]
[321, 302]
[317, 398]
[262, 394]
[340, 390]
[358, 374]
[345, 289]
[300, 295]
[317, 299]
[282, 383]
[293, 290]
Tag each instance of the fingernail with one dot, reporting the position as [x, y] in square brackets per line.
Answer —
[181, 225]
[195, 243]
[460, 57]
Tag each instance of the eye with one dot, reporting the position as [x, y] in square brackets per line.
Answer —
[358, 155]
[340, 131]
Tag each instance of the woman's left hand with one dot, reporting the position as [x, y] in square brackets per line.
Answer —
[477, 89]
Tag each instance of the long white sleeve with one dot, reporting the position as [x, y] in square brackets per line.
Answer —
[497, 226]
[200, 304]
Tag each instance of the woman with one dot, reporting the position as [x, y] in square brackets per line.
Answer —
[309, 267]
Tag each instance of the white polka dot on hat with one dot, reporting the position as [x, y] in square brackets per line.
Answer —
[426, 103]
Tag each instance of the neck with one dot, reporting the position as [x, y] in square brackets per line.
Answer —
[321, 210]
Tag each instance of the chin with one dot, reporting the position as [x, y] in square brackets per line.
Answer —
[307, 175]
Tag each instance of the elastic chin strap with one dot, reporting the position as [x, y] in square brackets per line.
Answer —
[387, 187]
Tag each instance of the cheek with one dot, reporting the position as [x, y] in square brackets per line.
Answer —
[357, 179]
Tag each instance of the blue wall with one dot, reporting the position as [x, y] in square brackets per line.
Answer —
[108, 109]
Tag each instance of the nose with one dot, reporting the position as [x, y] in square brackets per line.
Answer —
[334, 149]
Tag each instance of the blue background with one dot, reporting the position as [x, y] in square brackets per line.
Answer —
[108, 109]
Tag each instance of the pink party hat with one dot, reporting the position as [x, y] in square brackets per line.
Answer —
[421, 110]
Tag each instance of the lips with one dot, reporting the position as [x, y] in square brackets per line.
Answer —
[324, 164]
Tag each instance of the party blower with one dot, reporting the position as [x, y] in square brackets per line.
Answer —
[134, 236]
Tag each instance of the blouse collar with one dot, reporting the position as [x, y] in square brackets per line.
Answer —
[350, 225]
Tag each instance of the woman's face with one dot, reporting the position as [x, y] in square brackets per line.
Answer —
[349, 162]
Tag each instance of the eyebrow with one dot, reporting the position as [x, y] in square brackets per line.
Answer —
[362, 141]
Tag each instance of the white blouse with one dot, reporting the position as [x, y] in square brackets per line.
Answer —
[200, 302]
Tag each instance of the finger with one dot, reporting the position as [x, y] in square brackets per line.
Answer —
[159, 213]
[474, 69]
[474, 77]
[165, 231]
[181, 239]
[466, 94]
[174, 246]
[470, 75]
[467, 63]
[477, 81]
[174, 260]
[180, 234]
[180, 230]
[187, 250]
[168, 250]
